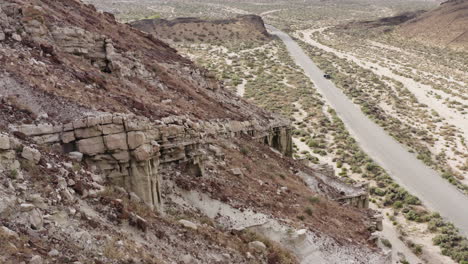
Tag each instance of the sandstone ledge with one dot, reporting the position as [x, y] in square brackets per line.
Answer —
[129, 149]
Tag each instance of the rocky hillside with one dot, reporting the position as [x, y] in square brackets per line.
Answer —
[242, 28]
[115, 149]
[445, 26]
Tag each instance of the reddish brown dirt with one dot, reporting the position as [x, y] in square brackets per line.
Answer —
[264, 173]
[74, 80]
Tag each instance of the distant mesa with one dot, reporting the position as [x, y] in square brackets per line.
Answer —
[189, 29]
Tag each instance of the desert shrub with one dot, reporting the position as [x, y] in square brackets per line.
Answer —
[314, 199]
[386, 242]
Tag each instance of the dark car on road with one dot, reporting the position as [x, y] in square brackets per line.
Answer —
[327, 76]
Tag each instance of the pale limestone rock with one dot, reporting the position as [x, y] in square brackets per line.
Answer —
[134, 197]
[94, 121]
[49, 138]
[91, 146]
[257, 245]
[68, 137]
[299, 236]
[188, 259]
[112, 129]
[53, 253]
[68, 127]
[188, 224]
[136, 139]
[80, 123]
[122, 156]
[106, 119]
[88, 132]
[8, 232]
[75, 155]
[41, 129]
[31, 154]
[16, 37]
[237, 172]
[15, 143]
[117, 120]
[116, 141]
[36, 260]
[25, 207]
[143, 152]
[62, 183]
[4, 142]
[37, 200]
[67, 195]
[35, 219]
[2, 36]
[216, 150]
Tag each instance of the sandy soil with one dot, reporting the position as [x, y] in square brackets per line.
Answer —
[422, 93]
[418, 89]
[389, 231]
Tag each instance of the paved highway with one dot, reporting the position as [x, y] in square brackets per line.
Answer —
[420, 180]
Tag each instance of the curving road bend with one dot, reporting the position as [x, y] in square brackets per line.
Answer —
[420, 180]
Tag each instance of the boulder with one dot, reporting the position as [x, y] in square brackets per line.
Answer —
[138, 222]
[188, 224]
[31, 154]
[8, 232]
[16, 37]
[136, 139]
[143, 153]
[35, 219]
[37, 201]
[91, 146]
[25, 207]
[237, 171]
[257, 246]
[216, 150]
[7, 203]
[188, 259]
[36, 260]
[4, 142]
[122, 156]
[75, 155]
[15, 143]
[298, 236]
[53, 253]
[67, 195]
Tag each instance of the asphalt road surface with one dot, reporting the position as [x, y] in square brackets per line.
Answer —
[420, 180]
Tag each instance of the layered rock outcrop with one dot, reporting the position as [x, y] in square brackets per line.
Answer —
[129, 150]
[8, 161]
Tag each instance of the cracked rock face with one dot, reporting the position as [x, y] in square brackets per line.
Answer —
[129, 150]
